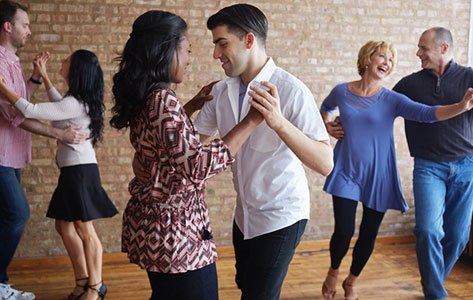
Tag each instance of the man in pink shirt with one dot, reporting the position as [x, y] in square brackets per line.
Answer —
[15, 139]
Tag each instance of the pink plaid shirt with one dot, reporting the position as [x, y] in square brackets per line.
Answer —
[15, 143]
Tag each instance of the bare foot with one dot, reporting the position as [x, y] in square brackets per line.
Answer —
[349, 288]
[330, 284]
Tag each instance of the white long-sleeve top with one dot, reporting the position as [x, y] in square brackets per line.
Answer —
[64, 112]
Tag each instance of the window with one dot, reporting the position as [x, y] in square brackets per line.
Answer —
[470, 39]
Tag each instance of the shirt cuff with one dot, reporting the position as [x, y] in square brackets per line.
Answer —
[18, 119]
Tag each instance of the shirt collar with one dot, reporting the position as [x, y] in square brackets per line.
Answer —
[266, 72]
[450, 67]
[8, 54]
[264, 75]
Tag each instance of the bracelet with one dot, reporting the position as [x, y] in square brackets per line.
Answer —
[35, 81]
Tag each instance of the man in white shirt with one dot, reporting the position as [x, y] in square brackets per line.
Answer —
[273, 196]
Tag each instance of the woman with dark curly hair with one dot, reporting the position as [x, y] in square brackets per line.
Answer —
[79, 197]
[166, 228]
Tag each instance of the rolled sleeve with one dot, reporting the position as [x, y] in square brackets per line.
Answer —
[9, 113]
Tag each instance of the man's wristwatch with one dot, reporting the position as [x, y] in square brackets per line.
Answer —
[35, 81]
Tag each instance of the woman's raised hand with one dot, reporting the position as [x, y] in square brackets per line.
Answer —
[39, 64]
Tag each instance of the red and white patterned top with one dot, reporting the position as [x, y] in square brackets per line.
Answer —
[166, 225]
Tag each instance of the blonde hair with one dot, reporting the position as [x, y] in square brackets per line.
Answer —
[364, 55]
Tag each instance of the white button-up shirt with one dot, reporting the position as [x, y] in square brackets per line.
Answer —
[270, 180]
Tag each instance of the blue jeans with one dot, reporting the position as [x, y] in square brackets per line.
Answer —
[443, 194]
[14, 213]
[262, 262]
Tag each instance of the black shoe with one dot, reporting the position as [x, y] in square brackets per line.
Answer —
[101, 291]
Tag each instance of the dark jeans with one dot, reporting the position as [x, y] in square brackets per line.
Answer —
[262, 262]
[345, 212]
[14, 213]
[199, 284]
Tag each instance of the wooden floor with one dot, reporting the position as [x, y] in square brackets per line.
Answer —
[390, 274]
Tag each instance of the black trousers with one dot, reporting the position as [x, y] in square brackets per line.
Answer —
[345, 212]
[262, 262]
[199, 284]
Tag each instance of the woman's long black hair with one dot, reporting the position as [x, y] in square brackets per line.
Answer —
[145, 63]
[86, 85]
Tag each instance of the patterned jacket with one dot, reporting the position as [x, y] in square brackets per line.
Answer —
[166, 225]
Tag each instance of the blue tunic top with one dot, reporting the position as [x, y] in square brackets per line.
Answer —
[365, 158]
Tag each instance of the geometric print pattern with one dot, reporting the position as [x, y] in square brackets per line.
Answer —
[166, 226]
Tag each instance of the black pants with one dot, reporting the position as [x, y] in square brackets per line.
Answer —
[199, 284]
[262, 262]
[345, 213]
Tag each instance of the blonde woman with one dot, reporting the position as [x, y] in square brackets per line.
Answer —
[365, 159]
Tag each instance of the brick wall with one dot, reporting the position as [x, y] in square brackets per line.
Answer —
[317, 41]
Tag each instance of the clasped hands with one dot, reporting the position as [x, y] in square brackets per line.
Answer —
[265, 100]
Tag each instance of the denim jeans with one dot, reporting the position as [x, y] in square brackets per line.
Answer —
[443, 194]
[262, 262]
[14, 213]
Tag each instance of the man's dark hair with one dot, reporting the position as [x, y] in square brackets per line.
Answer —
[8, 10]
[241, 19]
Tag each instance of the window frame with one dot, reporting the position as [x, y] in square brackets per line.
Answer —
[470, 38]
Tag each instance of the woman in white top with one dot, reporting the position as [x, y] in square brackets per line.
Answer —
[79, 197]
